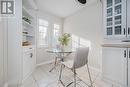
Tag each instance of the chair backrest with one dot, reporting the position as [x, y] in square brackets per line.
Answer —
[81, 57]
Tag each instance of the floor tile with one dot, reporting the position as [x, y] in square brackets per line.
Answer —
[41, 77]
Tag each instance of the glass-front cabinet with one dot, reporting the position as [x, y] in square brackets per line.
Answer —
[115, 18]
[128, 19]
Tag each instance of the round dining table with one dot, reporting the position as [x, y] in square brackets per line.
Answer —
[59, 53]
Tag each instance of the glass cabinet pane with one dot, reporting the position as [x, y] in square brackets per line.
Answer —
[118, 20]
[109, 3]
[109, 12]
[117, 1]
[109, 31]
[117, 9]
[109, 21]
[114, 16]
[118, 30]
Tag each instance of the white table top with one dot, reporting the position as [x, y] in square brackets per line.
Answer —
[59, 51]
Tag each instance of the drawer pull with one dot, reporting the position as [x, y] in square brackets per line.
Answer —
[31, 55]
[125, 53]
[129, 54]
[128, 30]
[124, 31]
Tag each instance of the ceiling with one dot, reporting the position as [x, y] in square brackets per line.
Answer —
[61, 8]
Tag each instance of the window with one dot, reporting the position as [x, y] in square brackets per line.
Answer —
[43, 30]
[48, 34]
[56, 34]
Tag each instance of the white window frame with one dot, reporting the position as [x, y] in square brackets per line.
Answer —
[45, 41]
[56, 34]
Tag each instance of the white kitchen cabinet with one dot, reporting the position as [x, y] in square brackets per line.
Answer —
[115, 19]
[1, 54]
[28, 61]
[28, 39]
[20, 64]
[128, 18]
[114, 66]
[129, 69]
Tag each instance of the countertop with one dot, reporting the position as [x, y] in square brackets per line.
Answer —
[120, 45]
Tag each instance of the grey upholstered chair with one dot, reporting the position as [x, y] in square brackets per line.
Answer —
[80, 60]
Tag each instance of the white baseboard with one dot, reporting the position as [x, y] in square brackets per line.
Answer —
[47, 62]
[112, 82]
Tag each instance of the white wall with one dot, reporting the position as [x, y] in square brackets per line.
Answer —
[42, 55]
[87, 24]
[1, 54]
[15, 45]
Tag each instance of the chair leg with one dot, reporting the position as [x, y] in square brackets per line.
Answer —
[74, 78]
[74, 81]
[89, 76]
[60, 72]
[54, 64]
[60, 76]
[55, 61]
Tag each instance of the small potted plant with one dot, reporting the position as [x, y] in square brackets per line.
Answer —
[64, 39]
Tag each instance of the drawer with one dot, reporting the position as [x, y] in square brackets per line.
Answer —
[28, 48]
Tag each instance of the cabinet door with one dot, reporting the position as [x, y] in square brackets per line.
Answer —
[28, 63]
[114, 65]
[1, 54]
[119, 18]
[32, 59]
[129, 69]
[128, 17]
[115, 18]
[108, 18]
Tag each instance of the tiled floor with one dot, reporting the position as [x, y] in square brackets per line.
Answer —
[43, 78]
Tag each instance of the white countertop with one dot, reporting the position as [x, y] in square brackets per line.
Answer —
[121, 45]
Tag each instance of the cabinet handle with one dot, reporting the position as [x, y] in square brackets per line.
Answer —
[125, 53]
[124, 31]
[129, 54]
[128, 30]
[30, 48]
[31, 55]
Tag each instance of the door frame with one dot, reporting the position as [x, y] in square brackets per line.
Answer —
[3, 50]
[1, 55]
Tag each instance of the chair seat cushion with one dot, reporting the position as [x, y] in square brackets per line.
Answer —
[68, 64]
